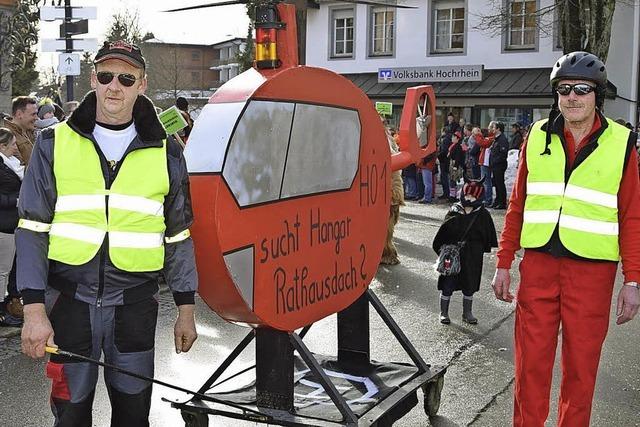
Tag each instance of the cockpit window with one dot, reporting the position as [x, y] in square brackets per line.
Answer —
[323, 152]
[277, 150]
[210, 136]
[256, 158]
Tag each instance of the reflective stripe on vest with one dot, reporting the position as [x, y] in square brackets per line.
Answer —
[586, 207]
[184, 235]
[38, 227]
[135, 217]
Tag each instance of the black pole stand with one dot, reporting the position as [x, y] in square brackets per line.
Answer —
[69, 46]
[275, 373]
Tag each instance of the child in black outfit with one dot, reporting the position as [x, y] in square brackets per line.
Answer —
[469, 222]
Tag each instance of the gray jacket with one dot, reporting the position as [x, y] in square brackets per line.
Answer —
[98, 281]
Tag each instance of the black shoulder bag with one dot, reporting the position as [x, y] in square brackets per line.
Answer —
[448, 263]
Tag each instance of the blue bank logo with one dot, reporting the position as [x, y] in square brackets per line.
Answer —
[384, 74]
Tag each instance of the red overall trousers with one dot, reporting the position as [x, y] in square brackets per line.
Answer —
[577, 295]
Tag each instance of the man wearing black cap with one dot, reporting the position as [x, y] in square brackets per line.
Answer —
[576, 211]
[105, 210]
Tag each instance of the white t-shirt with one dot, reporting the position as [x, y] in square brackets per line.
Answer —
[487, 156]
[114, 143]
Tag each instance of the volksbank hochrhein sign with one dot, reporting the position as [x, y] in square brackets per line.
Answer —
[447, 73]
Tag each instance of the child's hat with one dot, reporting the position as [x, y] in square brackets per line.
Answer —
[473, 187]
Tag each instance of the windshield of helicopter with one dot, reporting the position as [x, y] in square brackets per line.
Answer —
[283, 149]
[210, 136]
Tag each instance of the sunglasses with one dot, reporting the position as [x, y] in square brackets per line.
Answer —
[127, 80]
[578, 88]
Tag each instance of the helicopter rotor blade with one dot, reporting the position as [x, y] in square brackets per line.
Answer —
[232, 2]
[376, 3]
[202, 6]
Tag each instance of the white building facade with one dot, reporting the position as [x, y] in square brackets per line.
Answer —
[359, 40]
[227, 63]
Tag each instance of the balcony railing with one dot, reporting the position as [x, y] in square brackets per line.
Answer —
[218, 62]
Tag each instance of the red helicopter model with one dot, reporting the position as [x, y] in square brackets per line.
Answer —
[290, 179]
[290, 173]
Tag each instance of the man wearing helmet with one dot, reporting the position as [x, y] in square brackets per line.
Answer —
[575, 210]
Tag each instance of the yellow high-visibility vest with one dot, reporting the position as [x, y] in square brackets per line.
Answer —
[130, 213]
[586, 207]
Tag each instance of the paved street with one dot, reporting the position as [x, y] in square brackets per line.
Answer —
[478, 385]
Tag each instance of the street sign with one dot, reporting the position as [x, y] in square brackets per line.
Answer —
[79, 45]
[172, 120]
[439, 73]
[74, 28]
[384, 108]
[69, 64]
[87, 45]
[53, 45]
[51, 13]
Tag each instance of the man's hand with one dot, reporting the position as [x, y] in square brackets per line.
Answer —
[185, 329]
[36, 331]
[628, 303]
[501, 284]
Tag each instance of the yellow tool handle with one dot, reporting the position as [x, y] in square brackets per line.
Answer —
[259, 416]
[52, 350]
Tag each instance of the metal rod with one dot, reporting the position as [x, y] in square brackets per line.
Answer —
[237, 374]
[342, 405]
[304, 330]
[243, 344]
[397, 332]
[228, 361]
[54, 350]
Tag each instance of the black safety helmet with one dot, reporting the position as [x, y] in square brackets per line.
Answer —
[576, 66]
[579, 66]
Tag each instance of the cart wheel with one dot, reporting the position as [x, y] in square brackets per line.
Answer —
[195, 419]
[432, 392]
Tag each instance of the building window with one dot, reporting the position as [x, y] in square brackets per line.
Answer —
[233, 71]
[448, 26]
[382, 29]
[195, 77]
[521, 32]
[342, 30]
[195, 55]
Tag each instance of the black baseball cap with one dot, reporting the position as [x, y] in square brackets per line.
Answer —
[123, 51]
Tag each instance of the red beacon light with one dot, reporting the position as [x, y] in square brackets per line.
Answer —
[267, 23]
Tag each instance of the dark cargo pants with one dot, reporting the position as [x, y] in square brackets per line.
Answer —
[124, 335]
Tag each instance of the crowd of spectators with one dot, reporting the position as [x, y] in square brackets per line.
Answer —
[464, 149]
[18, 133]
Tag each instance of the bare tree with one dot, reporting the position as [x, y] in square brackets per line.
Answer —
[582, 24]
[49, 84]
[125, 25]
[245, 56]
[166, 76]
[600, 19]
[18, 37]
